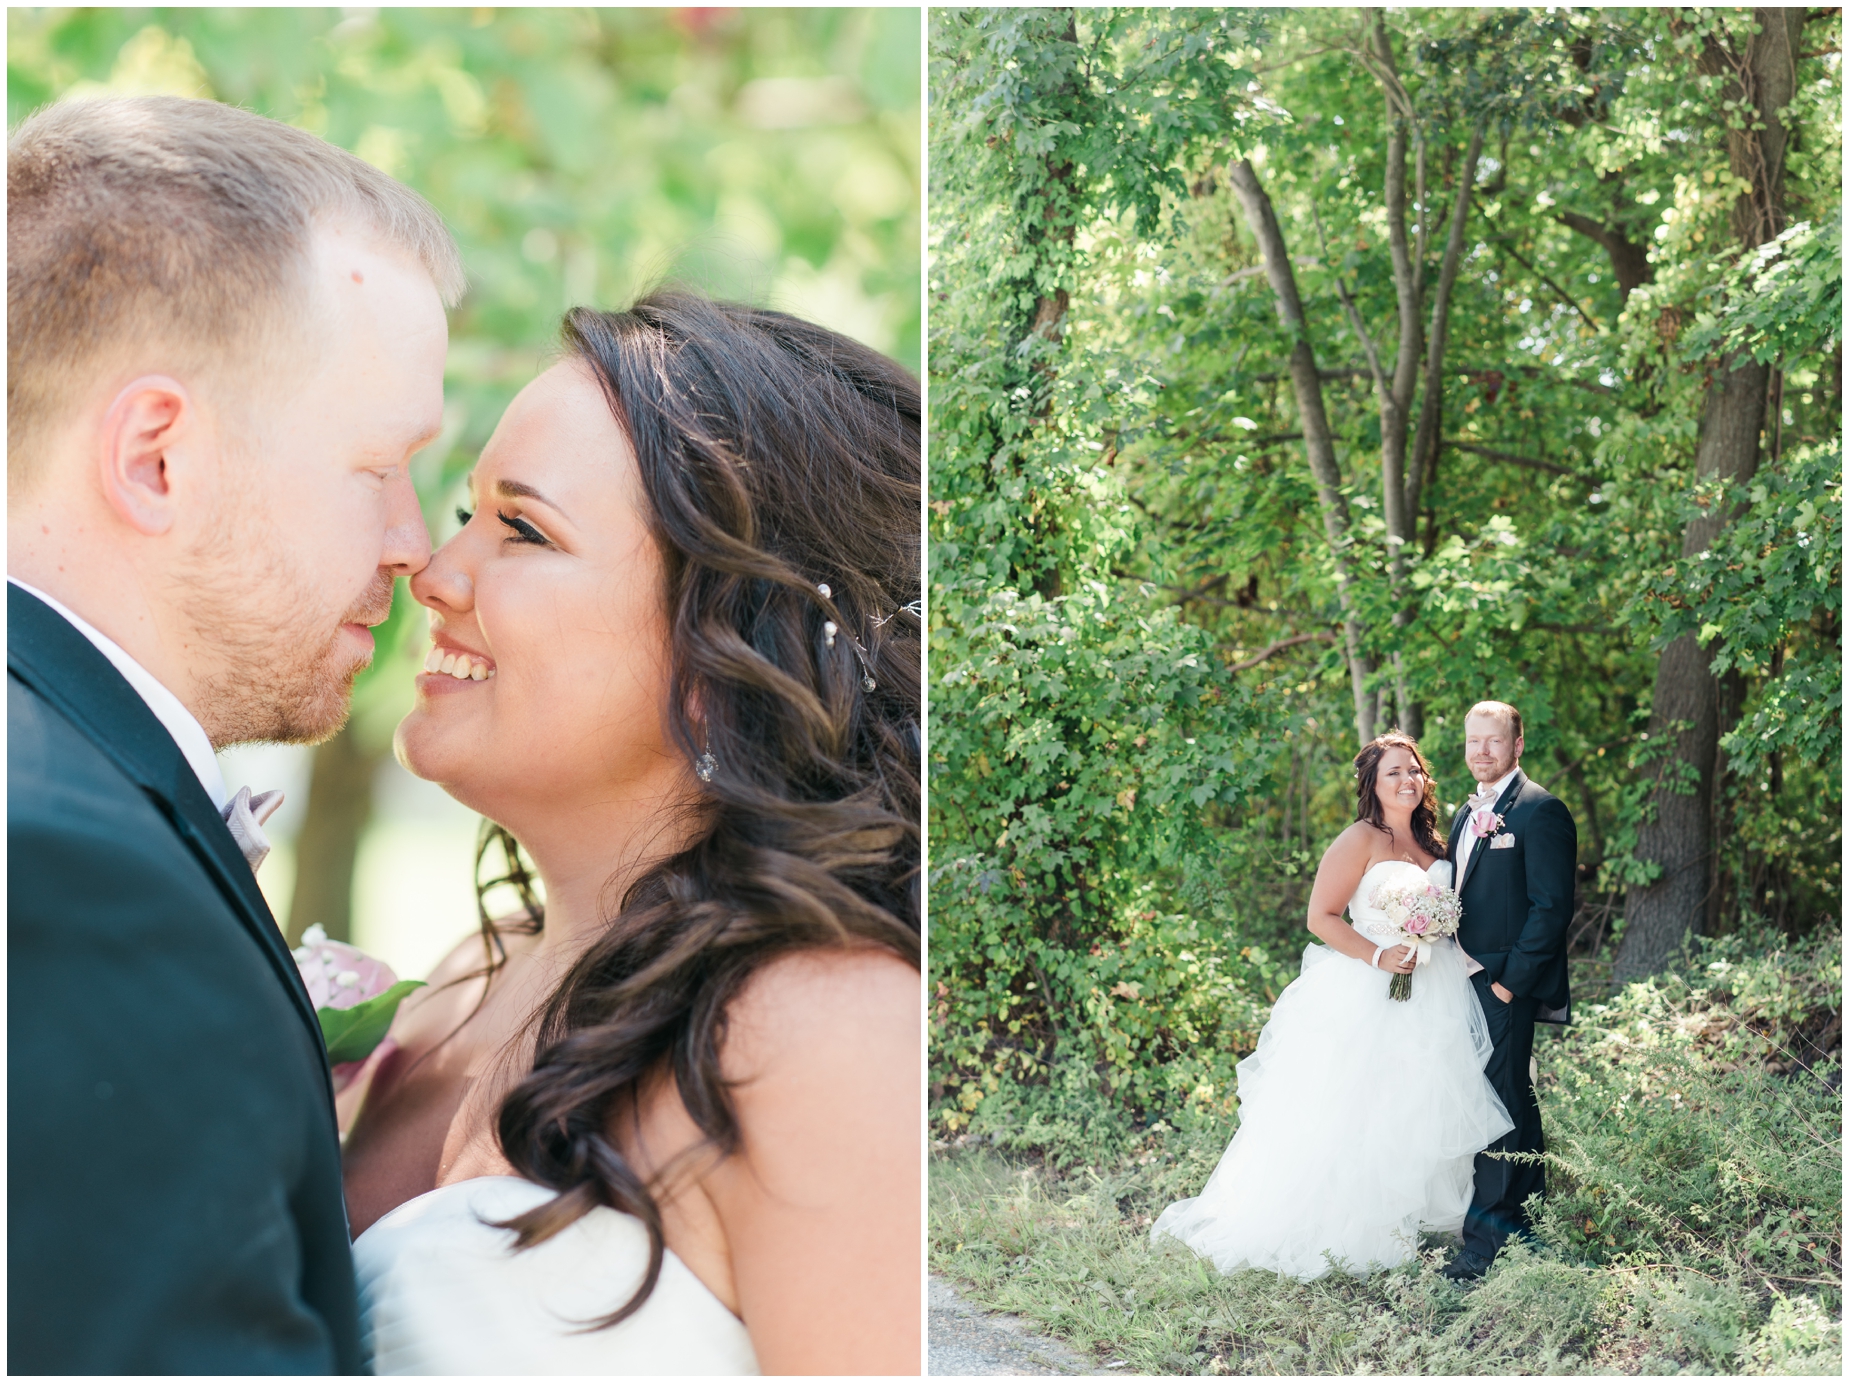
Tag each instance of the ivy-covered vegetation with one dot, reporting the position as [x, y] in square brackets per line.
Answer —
[1295, 374]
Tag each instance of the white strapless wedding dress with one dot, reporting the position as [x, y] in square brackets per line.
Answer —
[443, 1292]
[1359, 1115]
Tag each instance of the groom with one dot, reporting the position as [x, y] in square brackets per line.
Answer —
[1515, 851]
[225, 339]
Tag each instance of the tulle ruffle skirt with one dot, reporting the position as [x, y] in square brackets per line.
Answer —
[1360, 1117]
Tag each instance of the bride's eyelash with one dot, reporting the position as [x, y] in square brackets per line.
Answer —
[463, 516]
[524, 532]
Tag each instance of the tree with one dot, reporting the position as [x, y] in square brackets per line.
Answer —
[1691, 708]
[1420, 356]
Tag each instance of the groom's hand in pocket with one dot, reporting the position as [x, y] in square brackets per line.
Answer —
[1501, 993]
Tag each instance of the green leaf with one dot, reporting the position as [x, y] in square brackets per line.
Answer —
[351, 1034]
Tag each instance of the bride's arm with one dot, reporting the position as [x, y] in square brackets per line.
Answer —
[821, 1207]
[1337, 877]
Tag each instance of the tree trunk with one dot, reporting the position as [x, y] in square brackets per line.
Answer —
[1763, 80]
[339, 809]
[1049, 323]
[1431, 406]
[1730, 698]
[1630, 264]
[1680, 834]
[1318, 441]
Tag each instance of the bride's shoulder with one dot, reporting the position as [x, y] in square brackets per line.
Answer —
[821, 1054]
[856, 1007]
[1354, 846]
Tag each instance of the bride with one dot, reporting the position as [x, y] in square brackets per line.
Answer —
[666, 1119]
[1360, 1116]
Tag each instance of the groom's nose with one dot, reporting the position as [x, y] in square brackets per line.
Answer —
[407, 540]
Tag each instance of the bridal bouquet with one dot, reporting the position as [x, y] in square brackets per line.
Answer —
[355, 998]
[1418, 915]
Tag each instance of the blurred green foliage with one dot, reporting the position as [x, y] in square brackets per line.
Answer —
[580, 156]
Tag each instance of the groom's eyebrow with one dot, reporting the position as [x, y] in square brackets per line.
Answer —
[514, 489]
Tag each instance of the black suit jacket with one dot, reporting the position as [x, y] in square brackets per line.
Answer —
[1518, 900]
[174, 1200]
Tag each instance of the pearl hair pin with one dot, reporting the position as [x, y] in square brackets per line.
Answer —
[830, 629]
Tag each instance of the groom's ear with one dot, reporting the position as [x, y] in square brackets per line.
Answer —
[150, 418]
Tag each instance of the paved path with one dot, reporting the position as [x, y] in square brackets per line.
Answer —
[966, 1341]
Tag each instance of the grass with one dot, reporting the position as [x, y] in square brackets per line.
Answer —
[1693, 1222]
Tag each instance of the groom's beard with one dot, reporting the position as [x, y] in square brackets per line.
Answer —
[278, 680]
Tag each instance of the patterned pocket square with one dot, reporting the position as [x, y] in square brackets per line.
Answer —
[1502, 842]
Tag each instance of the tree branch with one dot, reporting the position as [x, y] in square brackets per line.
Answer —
[1501, 243]
[1512, 459]
[1251, 443]
[1630, 263]
[1321, 636]
[1431, 407]
[1319, 441]
[1331, 375]
[1354, 317]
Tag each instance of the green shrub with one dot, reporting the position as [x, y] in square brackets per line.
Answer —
[1684, 1125]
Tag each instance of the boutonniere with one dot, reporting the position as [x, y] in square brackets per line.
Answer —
[1484, 823]
[355, 996]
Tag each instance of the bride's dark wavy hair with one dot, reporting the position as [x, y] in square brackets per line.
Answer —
[1367, 801]
[782, 467]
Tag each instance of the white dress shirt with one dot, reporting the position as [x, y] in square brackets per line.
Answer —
[186, 730]
[1468, 843]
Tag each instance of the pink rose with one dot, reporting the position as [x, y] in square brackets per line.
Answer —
[1417, 926]
[339, 975]
[1484, 822]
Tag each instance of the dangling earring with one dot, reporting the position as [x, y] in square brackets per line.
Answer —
[706, 765]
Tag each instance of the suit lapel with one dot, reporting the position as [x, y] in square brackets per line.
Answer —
[65, 668]
[1501, 808]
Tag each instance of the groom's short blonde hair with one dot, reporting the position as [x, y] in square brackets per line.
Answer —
[1509, 715]
[183, 224]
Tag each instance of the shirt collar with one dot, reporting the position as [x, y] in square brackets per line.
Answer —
[1496, 789]
[185, 728]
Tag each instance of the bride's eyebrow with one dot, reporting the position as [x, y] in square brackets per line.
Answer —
[515, 489]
